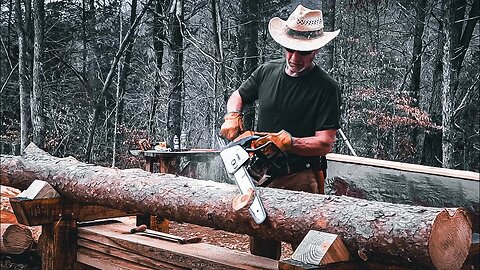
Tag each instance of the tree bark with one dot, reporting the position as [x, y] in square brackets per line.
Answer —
[36, 101]
[416, 61]
[388, 233]
[249, 34]
[174, 124]
[329, 19]
[448, 77]
[218, 70]
[158, 47]
[22, 76]
[108, 81]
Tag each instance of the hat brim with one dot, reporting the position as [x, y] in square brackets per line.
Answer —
[278, 30]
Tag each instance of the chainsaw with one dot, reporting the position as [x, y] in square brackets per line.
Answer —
[249, 166]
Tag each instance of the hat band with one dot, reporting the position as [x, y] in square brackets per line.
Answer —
[305, 34]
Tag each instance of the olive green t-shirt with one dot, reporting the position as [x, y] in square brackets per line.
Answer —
[299, 105]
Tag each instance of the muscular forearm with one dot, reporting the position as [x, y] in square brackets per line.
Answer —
[318, 145]
[235, 102]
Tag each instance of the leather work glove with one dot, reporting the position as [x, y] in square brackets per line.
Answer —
[232, 126]
[282, 140]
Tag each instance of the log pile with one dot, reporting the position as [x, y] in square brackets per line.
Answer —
[412, 236]
[14, 238]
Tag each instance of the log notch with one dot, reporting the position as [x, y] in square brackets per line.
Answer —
[383, 232]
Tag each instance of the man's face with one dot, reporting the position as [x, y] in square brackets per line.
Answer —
[298, 61]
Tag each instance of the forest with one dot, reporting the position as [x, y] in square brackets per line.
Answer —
[90, 78]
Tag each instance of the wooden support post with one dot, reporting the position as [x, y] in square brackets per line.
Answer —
[58, 245]
[165, 165]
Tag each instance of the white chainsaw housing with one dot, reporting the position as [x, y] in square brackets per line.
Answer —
[234, 159]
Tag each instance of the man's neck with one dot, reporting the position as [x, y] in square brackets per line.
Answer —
[300, 73]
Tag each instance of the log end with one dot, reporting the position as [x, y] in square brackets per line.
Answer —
[450, 239]
[15, 238]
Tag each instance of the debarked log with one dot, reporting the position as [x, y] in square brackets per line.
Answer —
[383, 232]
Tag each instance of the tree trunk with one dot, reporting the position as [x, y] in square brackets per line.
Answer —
[388, 233]
[158, 37]
[329, 19]
[123, 71]
[447, 91]
[22, 76]
[249, 28]
[416, 62]
[218, 72]
[36, 102]
[108, 81]
[174, 124]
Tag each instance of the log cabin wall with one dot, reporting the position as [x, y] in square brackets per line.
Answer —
[403, 183]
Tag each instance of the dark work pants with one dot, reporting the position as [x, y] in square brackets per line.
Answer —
[308, 181]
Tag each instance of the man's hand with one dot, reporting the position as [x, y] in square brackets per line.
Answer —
[232, 126]
[282, 140]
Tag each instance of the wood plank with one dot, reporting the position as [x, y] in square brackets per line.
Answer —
[102, 261]
[199, 255]
[125, 255]
[46, 211]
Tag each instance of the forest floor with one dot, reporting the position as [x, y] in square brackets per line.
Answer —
[32, 260]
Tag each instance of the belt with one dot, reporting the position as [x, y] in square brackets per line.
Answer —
[298, 165]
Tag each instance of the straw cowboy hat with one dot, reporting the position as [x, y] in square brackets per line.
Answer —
[302, 31]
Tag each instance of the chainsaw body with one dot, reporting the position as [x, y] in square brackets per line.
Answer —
[249, 166]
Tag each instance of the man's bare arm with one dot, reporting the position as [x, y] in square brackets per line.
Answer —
[235, 102]
[318, 145]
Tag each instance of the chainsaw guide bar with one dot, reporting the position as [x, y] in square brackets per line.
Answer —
[234, 159]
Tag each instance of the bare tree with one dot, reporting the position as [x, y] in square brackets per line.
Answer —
[416, 61]
[129, 37]
[329, 20]
[458, 32]
[158, 47]
[219, 68]
[248, 50]
[174, 122]
[123, 71]
[36, 101]
[22, 76]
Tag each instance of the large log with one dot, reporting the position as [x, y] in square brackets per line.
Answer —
[389, 233]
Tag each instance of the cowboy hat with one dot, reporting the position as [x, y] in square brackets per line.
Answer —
[302, 31]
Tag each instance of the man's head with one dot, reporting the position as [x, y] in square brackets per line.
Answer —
[302, 31]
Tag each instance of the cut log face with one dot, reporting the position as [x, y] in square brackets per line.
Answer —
[388, 233]
[15, 238]
[319, 248]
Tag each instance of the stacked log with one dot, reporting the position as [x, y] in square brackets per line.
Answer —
[14, 238]
[412, 236]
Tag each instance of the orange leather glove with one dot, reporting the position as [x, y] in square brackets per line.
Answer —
[282, 140]
[232, 126]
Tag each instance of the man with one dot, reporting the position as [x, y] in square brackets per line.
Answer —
[298, 107]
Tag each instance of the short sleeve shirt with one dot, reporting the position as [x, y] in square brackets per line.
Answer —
[299, 105]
